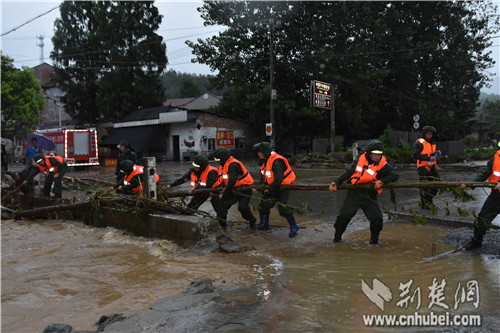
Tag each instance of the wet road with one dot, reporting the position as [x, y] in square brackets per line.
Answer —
[66, 272]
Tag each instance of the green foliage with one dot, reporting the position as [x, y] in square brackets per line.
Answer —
[433, 66]
[490, 112]
[384, 138]
[338, 145]
[108, 57]
[479, 153]
[21, 99]
[403, 153]
[173, 83]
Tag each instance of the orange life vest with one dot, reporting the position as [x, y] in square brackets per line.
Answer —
[267, 170]
[138, 170]
[244, 179]
[49, 167]
[202, 181]
[495, 173]
[429, 150]
[365, 172]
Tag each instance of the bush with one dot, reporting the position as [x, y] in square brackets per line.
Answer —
[479, 153]
[403, 153]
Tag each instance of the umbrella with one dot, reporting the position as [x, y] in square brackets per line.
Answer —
[42, 141]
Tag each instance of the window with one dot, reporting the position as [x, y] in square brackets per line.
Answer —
[239, 143]
[210, 144]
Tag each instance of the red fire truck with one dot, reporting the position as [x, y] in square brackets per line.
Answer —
[77, 146]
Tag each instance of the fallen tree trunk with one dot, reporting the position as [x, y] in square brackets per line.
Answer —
[132, 202]
[64, 207]
[367, 186]
[85, 180]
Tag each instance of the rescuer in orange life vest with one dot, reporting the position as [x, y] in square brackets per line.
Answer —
[234, 174]
[426, 154]
[55, 168]
[133, 178]
[275, 171]
[491, 207]
[201, 175]
[370, 167]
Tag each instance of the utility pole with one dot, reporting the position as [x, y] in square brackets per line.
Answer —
[271, 79]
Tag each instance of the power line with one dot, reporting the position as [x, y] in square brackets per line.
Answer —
[8, 32]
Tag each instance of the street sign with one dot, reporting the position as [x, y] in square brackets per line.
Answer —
[322, 94]
[416, 117]
[269, 129]
[416, 125]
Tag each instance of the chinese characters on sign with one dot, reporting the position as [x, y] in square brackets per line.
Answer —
[321, 95]
[57, 138]
[380, 293]
[224, 139]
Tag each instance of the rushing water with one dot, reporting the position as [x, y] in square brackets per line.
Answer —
[65, 272]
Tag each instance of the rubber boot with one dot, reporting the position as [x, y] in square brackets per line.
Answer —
[293, 226]
[473, 243]
[264, 222]
[252, 223]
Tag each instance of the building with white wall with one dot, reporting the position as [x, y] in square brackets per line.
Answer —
[180, 132]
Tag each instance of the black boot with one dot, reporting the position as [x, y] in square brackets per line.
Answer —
[252, 223]
[293, 226]
[264, 222]
[374, 237]
[472, 244]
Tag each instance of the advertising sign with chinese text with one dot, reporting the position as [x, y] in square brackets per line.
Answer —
[224, 139]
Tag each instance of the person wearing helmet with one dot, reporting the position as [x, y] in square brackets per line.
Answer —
[133, 178]
[201, 175]
[234, 174]
[370, 167]
[426, 155]
[491, 207]
[275, 171]
[54, 167]
[125, 153]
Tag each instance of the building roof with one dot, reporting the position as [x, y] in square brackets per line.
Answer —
[178, 102]
[203, 102]
[45, 73]
[144, 114]
[140, 138]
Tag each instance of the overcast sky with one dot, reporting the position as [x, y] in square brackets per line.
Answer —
[181, 21]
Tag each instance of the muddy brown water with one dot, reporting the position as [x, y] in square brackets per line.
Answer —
[65, 272]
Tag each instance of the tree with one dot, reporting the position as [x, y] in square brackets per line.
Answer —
[21, 99]
[179, 85]
[387, 61]
[108, 58]
[490, 112]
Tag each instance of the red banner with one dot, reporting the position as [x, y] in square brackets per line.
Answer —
[225, 139]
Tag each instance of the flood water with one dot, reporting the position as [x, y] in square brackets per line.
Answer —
[65, 272]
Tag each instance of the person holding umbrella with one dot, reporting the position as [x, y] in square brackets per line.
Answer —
[54, 167]
[31, 151]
